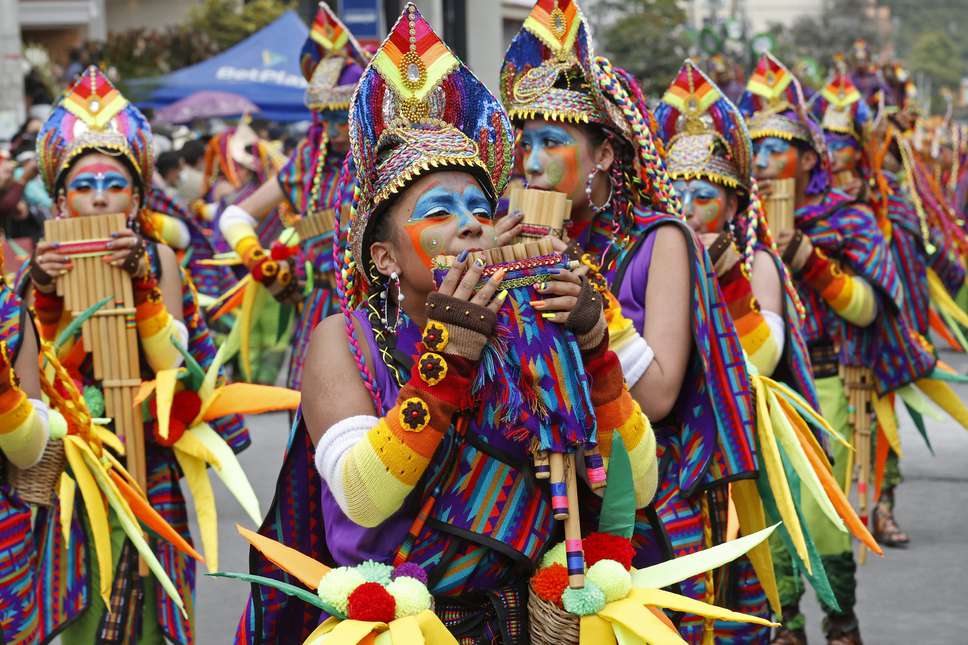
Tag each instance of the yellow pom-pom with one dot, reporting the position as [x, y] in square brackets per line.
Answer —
[555, 555]
[612, 578]
[411, 595]
[336, 586]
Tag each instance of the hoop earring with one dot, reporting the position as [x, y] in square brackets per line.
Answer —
[385, 296]
[588, 190]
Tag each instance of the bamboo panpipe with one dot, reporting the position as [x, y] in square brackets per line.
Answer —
[315, 225]
[545, 212]
[502, 254]
[574, 553]
[780, 205]
[859, 386]
[111, 334]
[843, 178]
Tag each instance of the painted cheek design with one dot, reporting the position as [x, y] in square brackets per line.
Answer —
[427, 236]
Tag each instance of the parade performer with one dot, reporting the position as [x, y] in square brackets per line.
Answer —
[922, 254]
[709, 156]
[332, 62]
[845, 276]
[586, 131]
[95, 155]
[405, 452]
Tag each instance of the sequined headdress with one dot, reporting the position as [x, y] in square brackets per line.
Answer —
[774, 105]
[549, 70]
[840, 107]
[93, 116]
[704, 133]
[417, 108]
[332, 62]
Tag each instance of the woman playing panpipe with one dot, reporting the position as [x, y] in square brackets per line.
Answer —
[410, 429]
[586, 132]
[96, 158]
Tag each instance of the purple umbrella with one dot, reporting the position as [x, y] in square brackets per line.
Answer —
[205, 104]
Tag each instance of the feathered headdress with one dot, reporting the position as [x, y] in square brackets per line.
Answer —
[93, 115]
[704, 133]
[332, 62]
[417, 108]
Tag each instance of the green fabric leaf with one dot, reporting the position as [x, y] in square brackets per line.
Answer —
[618, 505]
[286, 588]
[193, 370]
[943, 375]
[75, 325]
[919, 424]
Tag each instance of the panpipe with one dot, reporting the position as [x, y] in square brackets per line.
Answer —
[859, 387]
[780, 205]
[315, 224]
[111, 334]
[554, 442]
[545, 212]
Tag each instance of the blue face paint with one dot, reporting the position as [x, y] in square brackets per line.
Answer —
[543, 138]
[836, 145]
[98, 182]
[768, 146]
[440, 202]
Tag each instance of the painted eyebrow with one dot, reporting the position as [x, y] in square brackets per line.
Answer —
[428, 200]
[550, 130]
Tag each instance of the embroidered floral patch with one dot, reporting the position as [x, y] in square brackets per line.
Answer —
[435, 336]
[414, 414]
[432, 368]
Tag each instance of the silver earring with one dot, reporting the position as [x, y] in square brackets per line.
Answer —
[385, 295]
[588, 189]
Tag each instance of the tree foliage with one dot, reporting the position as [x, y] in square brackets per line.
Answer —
[646, 37]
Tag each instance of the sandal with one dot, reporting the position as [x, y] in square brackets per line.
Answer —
[842, 629]
[786, 636]
[886, 531]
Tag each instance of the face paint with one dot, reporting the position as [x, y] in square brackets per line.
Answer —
[703, 204]
[843, 152]
[96, 180]
[441, 214]
[775, 158]
[551, 158]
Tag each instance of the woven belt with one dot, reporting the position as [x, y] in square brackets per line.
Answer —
[825, 359]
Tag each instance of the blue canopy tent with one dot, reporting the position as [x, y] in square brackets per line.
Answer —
[263, 68]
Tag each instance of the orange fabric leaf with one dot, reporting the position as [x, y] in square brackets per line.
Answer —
[249, 398]
[299, 566]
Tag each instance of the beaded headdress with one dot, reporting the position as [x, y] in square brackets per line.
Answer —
[840, 107]
[93, 116]
[332, 62]
[704, 133]
[549, 70]
[774, 105]
[417, 108]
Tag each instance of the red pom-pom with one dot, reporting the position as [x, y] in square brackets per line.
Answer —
[370, 601]
[279, 251]
[549, 583]
[185, 406]
[176, 428]
[604, 546]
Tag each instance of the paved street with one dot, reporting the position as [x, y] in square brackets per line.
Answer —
[912, 596]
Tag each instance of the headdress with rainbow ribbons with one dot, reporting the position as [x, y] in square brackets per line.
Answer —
[332, 62]
[840, 108]
[94, 116]
[417, 109]
[704, 133]
[551, 72]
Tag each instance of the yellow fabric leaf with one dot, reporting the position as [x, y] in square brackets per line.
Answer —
[406, 630]
[351, 632]
[318, 635]
[433, 630]
[229, 470]
[147, 387]
[191, 445]
[945, 398]
[300, 566]
[886, 418]
[249, 398]
[595, 630]
[633, 623]
[752, 518]
[252, 294]
[204, 499]
[109, 439]
[164, 395]
[776, 476]
[943, 300]
[65, 493]
[97, 515]
[676, 602]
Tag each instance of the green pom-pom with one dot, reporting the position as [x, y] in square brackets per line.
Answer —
[94, 399]
[611, 577]
[583, 602]
[336, 586]
[57, 424]
[555, 555]
[411, 595]
[373, 571]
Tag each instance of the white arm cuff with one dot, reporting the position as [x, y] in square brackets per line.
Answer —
[635, 357]
[24, 447]
[235, 224]
[334, 446]
[777, 328]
